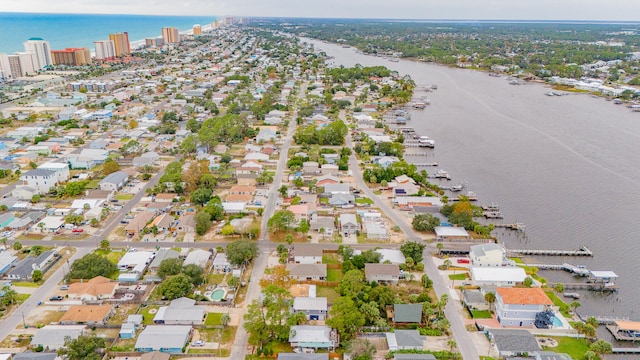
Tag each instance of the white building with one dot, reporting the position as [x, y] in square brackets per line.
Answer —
[61, 170]
[497, 276]
[42, 180]
[41, 51]
[489, 254]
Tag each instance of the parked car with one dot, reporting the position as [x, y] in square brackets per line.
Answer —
[462, 261]
[64, 287]
[198, 343]
[77, 230]
[56, 298]
[6, 234]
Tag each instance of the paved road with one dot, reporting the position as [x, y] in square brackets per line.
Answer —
[460, 334]
[241, 342]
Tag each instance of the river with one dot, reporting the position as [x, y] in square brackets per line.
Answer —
[565, 166]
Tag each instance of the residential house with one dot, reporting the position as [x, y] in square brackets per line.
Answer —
[161, 255]
[6, 219]
[519, 306]
[342, 200]
[323, 222]
[413, 357]
[266, 135]
[331, 158]
[307, 254]
[34, 356]
[7, 260]
[51, 223]
[40, 179]
[413, 201]
[61, 170]
[163, 338]
[407, 313]
[385, 161]
[114, 181]
[382, 272]
[450, 233]
[243, 190]
[182, 311]
[310, 168]
[234, 207]
[163, 222]
[87, 159]
[314, 308]
[405, 340]
[155, 355]
[256, 156]
[489, 254]
[32, 217]
[331, 189]
[98, 288]
[127, 330]
[135, 261]
[238, 198]
[186, 223]
[165, 198]
[511, 342]
[221, 263]
[100, 195]
[300, 356]
[376, 231]
[198, 257]
[411, 189]
[501, 277]
[392, 256]
[86, 314]
[24, 192]
[313, 337]
[348, 224]
[323, 180]
[24, 268]
[301, 212]
[148, 158]
[52, 337]
[139, 222]
[247, 173]
[329, 169]
[303, 272]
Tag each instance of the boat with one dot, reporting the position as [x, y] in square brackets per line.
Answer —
[394, 60]
[491, 207]
[492, 214]
[426, 143]
[472, 196]
[617, 101]
[442, 174]
[456, 188]
[419, 105]
[571, 295]
[494, 75]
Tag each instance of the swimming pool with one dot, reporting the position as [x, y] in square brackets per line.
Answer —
[217, 294]
[557, 322]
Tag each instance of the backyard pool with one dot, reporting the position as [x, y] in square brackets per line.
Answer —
[557, 322]
[215, 295]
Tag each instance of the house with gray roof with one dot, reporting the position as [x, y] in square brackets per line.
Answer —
[513, 342]
[42, 180]
[163, 338]
[313, 337]
[405, 340]
[7, 260]
[198, 257]
[24, 268]
[182, 311]
[382, 272]
[52, 337]
[331, 189]
[34, 356]
[413, 357]
[314, 308]
[341, 199]
[348, 224]
[307, 254]
[161, 255]
[323, 222]
[407, 313]
[114, 181]
[303, 272]
[302, 356]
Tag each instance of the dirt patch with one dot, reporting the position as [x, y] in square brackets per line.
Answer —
[45, 316]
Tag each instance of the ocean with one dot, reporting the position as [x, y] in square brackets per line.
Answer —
[81, 30]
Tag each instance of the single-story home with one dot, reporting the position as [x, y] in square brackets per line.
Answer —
[382, 272]
[164, 338]
[86, 314]
[52, 337]
[302, 272]
[405, 340]
[114, 181]
[97, 288]
[314, 337]
[182, 311]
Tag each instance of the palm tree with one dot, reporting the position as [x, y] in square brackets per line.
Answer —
[452, 345]
[4, 242]
[447, 264]
[491, 299]
[224, 319]
[440, 246]
[559, 288]
[575, 305]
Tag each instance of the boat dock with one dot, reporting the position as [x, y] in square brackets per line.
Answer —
[425, 164]
[625, 350]
[588, 286]
[516, 226]
[578, 270]
[603, 320]
[583, 251]
[417, 154]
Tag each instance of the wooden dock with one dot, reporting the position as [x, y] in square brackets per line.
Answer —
[603, 320]
[588, 286]
[426, 164]
[578, 270]
[613, 329]
[516, 226]
[583, 251]
[626, 350]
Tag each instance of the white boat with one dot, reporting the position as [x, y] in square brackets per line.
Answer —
[472, 196]
[456, 188]
[442, 174]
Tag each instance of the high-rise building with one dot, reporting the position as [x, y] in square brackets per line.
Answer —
[170, 35]
[41, 50]
[121, 43]
[105, 49]
[72, 56]
[197, 29]
[21, 64]
[5, 69]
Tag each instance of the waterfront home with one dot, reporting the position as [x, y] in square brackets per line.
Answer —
[181, 311]
[313, 337]
[405, 340]
[519, 306]
[382, 272]
[449, 233]
[307, 254]
[304, 272]
[489, 255]
[52, 337]
[500, 277]
[164, 338]
[313, 308]
[512, 342]
[87, 314]
[411, 201]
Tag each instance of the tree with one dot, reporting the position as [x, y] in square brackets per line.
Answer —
[75, 188]
[426, 281]
[241, 252]
[224, 319]
[345, 317]
[110, 167]
[17, 245]
[289, 239]
[203, 222]
[10, 296]
[201, 196]
[361, 349]
[601, 347]
[452, 345]
[105, 244]
[575, 305]
[425, 222]
[74, 219]
[169, 267]
[37, 275]
[490, 297]
[90, 266]
[4, 242]
[412, 250]
[303, 227]
[559, 288]
[281, 220]
[175, 286]
[82, 348]
[283, 190]
[194, 272]
[270, 319]
[528, 282]
[233, 281]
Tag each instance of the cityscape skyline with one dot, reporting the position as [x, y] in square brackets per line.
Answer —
[403, 9]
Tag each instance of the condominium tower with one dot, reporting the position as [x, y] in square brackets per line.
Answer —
[41, 51]
[105, 49]
[170, 35]
[121, 43]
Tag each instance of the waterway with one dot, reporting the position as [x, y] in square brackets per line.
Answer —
[565, 166]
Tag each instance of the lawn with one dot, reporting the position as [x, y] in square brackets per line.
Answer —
[25, 284]
[93, 184]
[481, 314]
[334, 274]
[112, 256]
[329, 292]
[147, 316]
[574, 347]
[330, 259]
[564, 307]
[462, 276]
[364, 200]
[215, 278]
[124, 196]
[213, 319]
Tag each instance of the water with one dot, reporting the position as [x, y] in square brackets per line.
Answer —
[81, 30]
[564, 166]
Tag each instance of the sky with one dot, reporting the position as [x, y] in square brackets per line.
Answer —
[621, 10]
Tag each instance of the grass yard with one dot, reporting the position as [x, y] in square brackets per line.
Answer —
[330, 293]
[574, 347]
[364, 200]
[215, 278]
[462, 276]
[124, 196]
[213, 319]
[30, 236]
[25, 284]
[330, 259]
[93, 184]
[564, 307]
[334, 274]
[112, 256]
[481, 314]
[148, 313]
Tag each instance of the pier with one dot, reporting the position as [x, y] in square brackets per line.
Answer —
[578, 270]
[589, 286]
[603, 320]
[516, 226]
[426, 164]
[625, 351]
[583, 251]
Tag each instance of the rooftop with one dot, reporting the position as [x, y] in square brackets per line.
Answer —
[523, 296]
[86, 313]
